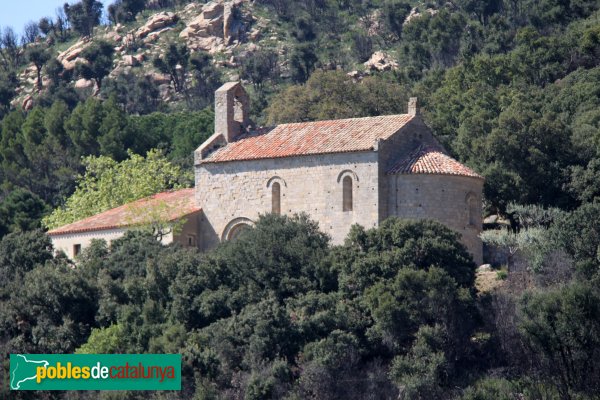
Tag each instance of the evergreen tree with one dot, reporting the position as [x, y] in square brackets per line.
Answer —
[100, 61]
[83, 16]
[38, 56]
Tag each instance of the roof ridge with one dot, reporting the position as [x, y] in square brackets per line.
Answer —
[312, 138]
[343, 119]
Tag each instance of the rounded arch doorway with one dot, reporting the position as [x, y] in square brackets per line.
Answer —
[235, 228]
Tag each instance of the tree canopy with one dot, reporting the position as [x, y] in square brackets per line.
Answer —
[108, 184]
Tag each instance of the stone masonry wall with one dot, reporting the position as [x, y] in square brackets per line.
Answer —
[66, 242]
[241, 190]
[403, 142]
[189, 230]
[397, 147]
[442, 198]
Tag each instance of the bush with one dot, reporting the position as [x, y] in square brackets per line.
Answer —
[490, 388]
[562, 330]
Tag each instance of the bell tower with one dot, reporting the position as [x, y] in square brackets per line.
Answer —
[231, 111]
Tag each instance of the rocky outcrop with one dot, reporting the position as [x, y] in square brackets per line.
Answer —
[205, 32]
[70, 57]
[113, 36]
[156, 22]
[130, 61]
[27, 103]
[159, 79]
[356, 75]
[153, 37]
[83, 83]
[229, 23]
[381, 61]
[414, 13]
[372, 23]
[215, 28]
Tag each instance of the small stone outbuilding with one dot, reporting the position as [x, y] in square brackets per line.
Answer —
[163, 212]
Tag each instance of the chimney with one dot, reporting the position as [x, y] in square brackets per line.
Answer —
[413, 107]
[231, 111]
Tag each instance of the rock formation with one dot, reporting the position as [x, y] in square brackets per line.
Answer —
[215, 28]
[70, 57]
[156, 22]
[414, 13]
[381, 61]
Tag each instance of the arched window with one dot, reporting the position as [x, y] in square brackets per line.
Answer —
[473, 209]
[276, 198]
[347, 193]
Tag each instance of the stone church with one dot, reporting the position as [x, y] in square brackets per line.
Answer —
[341, 172]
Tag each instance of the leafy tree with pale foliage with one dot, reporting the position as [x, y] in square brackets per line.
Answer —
[104, 341]
[107, 184]
[534, 242]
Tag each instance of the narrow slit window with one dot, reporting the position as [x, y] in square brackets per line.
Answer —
[473, 210]
[347, 193]
[276, 198]
[76, 250]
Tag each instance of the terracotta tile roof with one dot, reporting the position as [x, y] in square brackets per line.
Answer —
[167, 206]
[305, 138]
[431, 160]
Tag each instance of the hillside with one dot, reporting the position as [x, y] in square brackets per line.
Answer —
[476, 67]
[230, 33]
[220, 29]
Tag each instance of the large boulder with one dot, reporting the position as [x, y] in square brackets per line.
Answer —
[214, 28]
[156, 22]
[69, 65]
[208, 23]
[130, 61]
[83, 83]
[414, 13]
[70, 57]
[160, 79]
[381, 61]
[153, 37]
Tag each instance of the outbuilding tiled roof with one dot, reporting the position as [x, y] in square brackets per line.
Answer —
[167, 206]
[306, 138]
[431, 160]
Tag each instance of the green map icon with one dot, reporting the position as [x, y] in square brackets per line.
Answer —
[23, 369]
